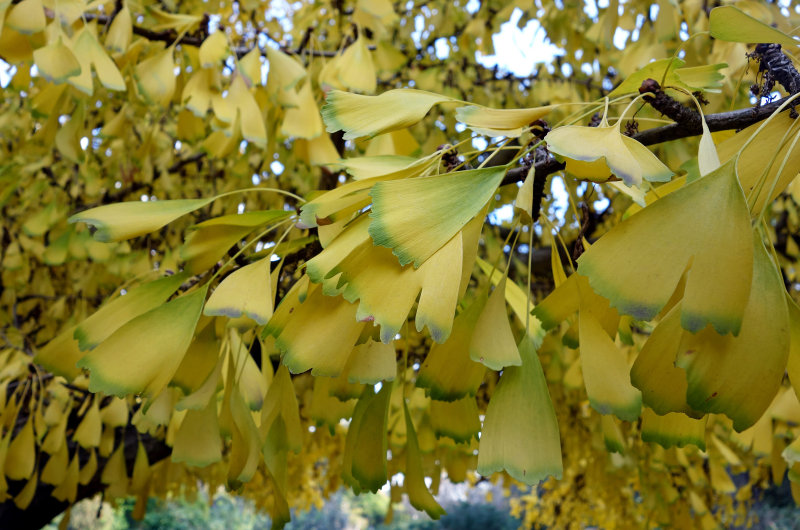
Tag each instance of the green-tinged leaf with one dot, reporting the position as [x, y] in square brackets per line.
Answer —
[200, 359]
[594, 153]
[416, 217]
[124, 220]
[704, 77]
[673, 429]
[793, 361]
[520, 305]
[605, 372]
[56, 62]
[520, 433]
[638, 263]
[281, 402]
[732, 24]
[364, 466]
[212, 239]
[61, 355]
[142, 355]
[371, 362]
[155, 77]
[448, 373]
[612, 434]
[414, 481]
[663, 385]
[457, 419]
[247, 291]
[720, 370]
[124, 308]
[492, 340]
[197, 440]
[245, 442]
[325, 347]
[27, 17]
[500, 122]
[359, 115]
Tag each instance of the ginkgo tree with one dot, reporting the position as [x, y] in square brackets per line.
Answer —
[287, 248]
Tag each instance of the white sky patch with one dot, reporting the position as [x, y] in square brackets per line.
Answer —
[519, 50]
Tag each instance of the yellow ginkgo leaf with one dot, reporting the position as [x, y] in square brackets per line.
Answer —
[720, 370]
[418, 494]
[729, 23]
[285, 72]
[142, 355]
[124, 220]
[457, 419]
[155, 77]
[605, 372]
[500, 122]
[240, 106]
[612, 434]
[61, 354]
[67, 489]
[673, 429]
[520, 433]
[90, 53]
[353, 69]
[120, 32]
[492, 339]
[375, 166]
[448, 373]
[594, 153]
[247, 291]
[325, 348]
[371, 362]
[27, 17]
[638, 263]
[197, 441]
[56, 61]
[211, 239]
[359, 115]
[416, 217]
[245, 442]
[674, 74]
[303, 121]
[214, 49]
[89, 429]
[364, 466]
[124, 308]
[21, 455]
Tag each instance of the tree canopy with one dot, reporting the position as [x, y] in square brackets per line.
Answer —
[290, 247]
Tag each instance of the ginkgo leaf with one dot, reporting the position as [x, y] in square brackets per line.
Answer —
[674, 74]
[605, 372]
[663, 385]
[612, 434]
[729, 23]
[67, 489]
[27, 17]
[793, 361]
[155, 77]
[359, 115]
[689, 228]
[519, 303]
[326, 347]
[21, 455]
[372, 362]
[197, 441]
[354, 68]
[124, 220]
[364, 466]
[720, 370]
[520, 433]
[492, 339]
[122, 309]
[448, 373]
[365, 167]
[120, 32]
[245, 442]
[673, 429]
[594, 153]
[87, 434]
[61, 355]
[500, 122]
[284, 71]
[418, 494]
[457, 419]
[214, 49]
[303, 121]
[416, 217]
[90, 53]
[211, 239]
[142, 355]
[247, 291]
[56, 61]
